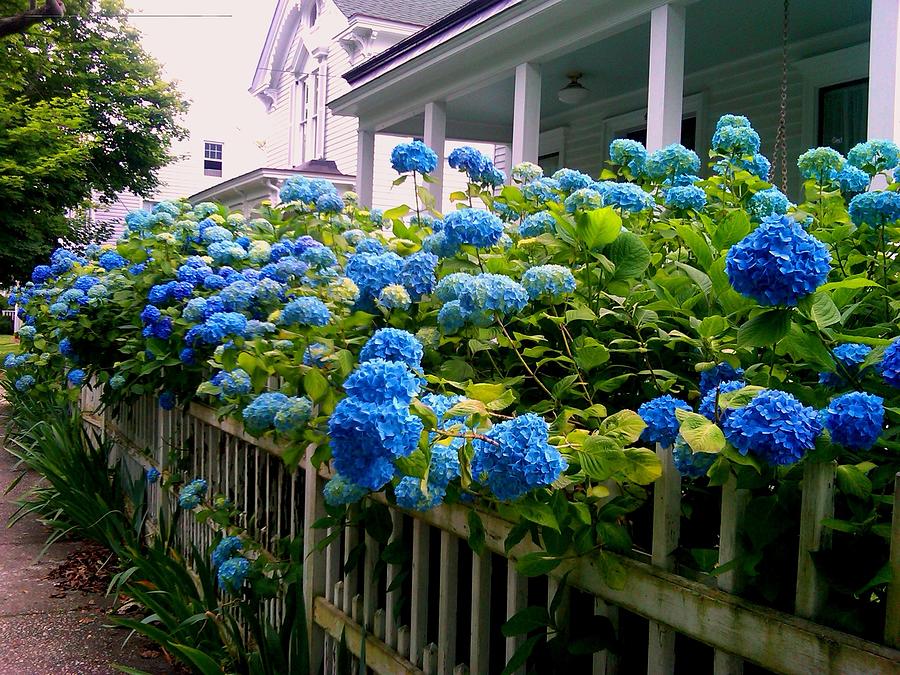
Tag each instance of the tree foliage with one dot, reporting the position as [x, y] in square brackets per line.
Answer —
[84, 112]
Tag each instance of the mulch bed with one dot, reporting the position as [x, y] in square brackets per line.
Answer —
[89, 569]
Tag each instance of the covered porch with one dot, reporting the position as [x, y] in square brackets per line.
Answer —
[658, 72]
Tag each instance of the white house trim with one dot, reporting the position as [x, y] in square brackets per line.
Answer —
[884, 71]
[666, 80]
[435, 137]
[527, 114]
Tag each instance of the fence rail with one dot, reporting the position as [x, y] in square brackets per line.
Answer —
[440, 611]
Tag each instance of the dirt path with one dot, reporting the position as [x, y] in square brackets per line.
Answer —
[45, 631]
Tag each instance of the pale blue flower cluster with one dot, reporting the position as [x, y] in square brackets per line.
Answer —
[584, 199]
[339, 491]
[476, 227]
[626, 197]
[541, 190]
[515, 457]
[548, 281]
[852, 180]
[537, 224]
[874, 156]
[232, 574]
[305, 311]
[225, 549]
[672, 160]
[768, 202]
[820, 164]
[570, 180]
[414, 156]
[686, 197]
[191, 495]
[774, 426]
[232, 383]
[477, 166]
[629, 154]
[659, 416]
[778, 263]
[875, 208]
[735, 141]
[306, 190]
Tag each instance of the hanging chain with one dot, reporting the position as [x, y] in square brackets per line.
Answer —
[779, 154]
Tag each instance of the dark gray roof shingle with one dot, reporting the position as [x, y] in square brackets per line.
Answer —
[416, 12]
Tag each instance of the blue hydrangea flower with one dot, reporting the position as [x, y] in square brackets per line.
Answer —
[226, 252]
[875, 208]
[477, 227]
[735, 140]
[659, 416]
[570, 180]
[232, 574]
[709, 407]
[769, 202]
[259, 416]
[630, 154]
[167, 400]
[526, 172]
[41, 273]
[380, 381]
[537, 224]
[293, 415]
[339, 491]
[890, 364]
[686, 197]
[216, 233]
[759, 165]
[369, 245]
[778, 263]
[316, 354]
[24, 383]
[225, 549]
[626, 197]
[85, 282]
[773, 426]
[366, 437]
[117, 381]
[450, 287]
[256, 328]
[874, 156]
[306, 190]
[516, 457]
[372, 272]
[672, 160]
[414, 156]
[216, 327]
[584, 199]
[689, 463]
[149, 315]
[855, 420]
[191, 495]
[850, 355]
[330, 203]
[306, 311]
[713, 377]
[494, 293]
[393, 344]
[541, 190]
[152, 475]
[450, 317]
[409, 495]
[729, 120]
[233, 383]
[393, 296]
[550, 281]
[27, 332]
[820, 164]
[76, 376]
[470, 160]
[418, 273]
[319, 257]
[66, 348]
[852, 180]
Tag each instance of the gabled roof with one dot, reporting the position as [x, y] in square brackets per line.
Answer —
[415, 12]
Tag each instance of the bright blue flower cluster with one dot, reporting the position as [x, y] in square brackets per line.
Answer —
[152, 475]
[409, 495]
[418, 274]
[167, 400]
[735, 141]
[259, 416]
[672, 160]
[850, 356]
[626, 197]
[476, 227]
[371, 272]
[515, 457]
[686, 197]
[689, 463]
[541, 190]
[536, 224]
[305, 311]
[629, 154]
[339, 491]
[233, 383]
[492, 293]
[232, 574]
[306, 190]
[570, 180]
[710, 405]
[330, 202]
[293, 416]
[76, 376]
[216, 328]
[659, 416]
[852, 180]
[549, 281]
[225, 549]
[191, 495]
[768, 202]
[393, 344]
[820, 164]
[758, 165]
[855, 420]
[774, 426]
[414, 156]
[478, 167]
[874, 156]
[875, 208]
[24, 383]
[778, 263]
[379, 381]
[890, 364]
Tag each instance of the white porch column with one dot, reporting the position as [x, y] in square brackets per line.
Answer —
[884, 71]
[666, 87]
[435, 138]
[365, 165]
[526, 114]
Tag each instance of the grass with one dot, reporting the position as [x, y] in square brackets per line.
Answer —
[8, 344]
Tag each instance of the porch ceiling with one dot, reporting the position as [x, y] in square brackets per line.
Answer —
[718, 31]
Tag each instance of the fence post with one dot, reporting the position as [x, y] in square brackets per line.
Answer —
[734, 502]
[419, 608]
[816, 505]
[479, 644]
[448, 581]
[392, 597]
[892, 621]
[314, 564]
[516, 600]
[666, 530]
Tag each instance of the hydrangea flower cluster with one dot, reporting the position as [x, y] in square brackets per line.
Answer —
[526, 172]
[305, 311]
[710, 406]
[686, 197]
[890, 364]
[476, 227]
[672, 160]
[570, 180]
[850, 356]
[584, 199]
[191, 495]
[394, 345]
[536, 224]
[875, 208]
[820, 164]
[225, 549]
[476, 165]
[626, 197]
[232, 574]
[413, 157]
[768, 202]
[689, 463]
[874, 156]
[778, 263]
[339, 491]
[774, 426]
[659, 416]
[855, 420]
[515, 457]
[629, 154]
[549, 281]
[735, 140]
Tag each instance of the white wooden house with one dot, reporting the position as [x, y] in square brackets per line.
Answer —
[309, 48]
[662, 71]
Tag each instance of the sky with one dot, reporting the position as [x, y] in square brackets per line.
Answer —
[213, 60]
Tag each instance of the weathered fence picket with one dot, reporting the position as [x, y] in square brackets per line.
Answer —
[354, 605]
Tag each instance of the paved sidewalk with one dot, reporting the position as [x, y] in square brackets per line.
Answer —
[45, 635]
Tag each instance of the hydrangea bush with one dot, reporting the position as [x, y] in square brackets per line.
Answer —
[525, 350]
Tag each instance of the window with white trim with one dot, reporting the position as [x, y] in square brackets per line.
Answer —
[309, 116]
[212, 158]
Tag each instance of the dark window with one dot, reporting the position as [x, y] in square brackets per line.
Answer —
[549, 163]
[843, 112]
[212, 159]
[688, 133]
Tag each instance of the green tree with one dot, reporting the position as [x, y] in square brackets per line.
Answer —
[83, 111]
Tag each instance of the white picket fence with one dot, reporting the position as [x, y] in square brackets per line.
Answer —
[445, 611]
